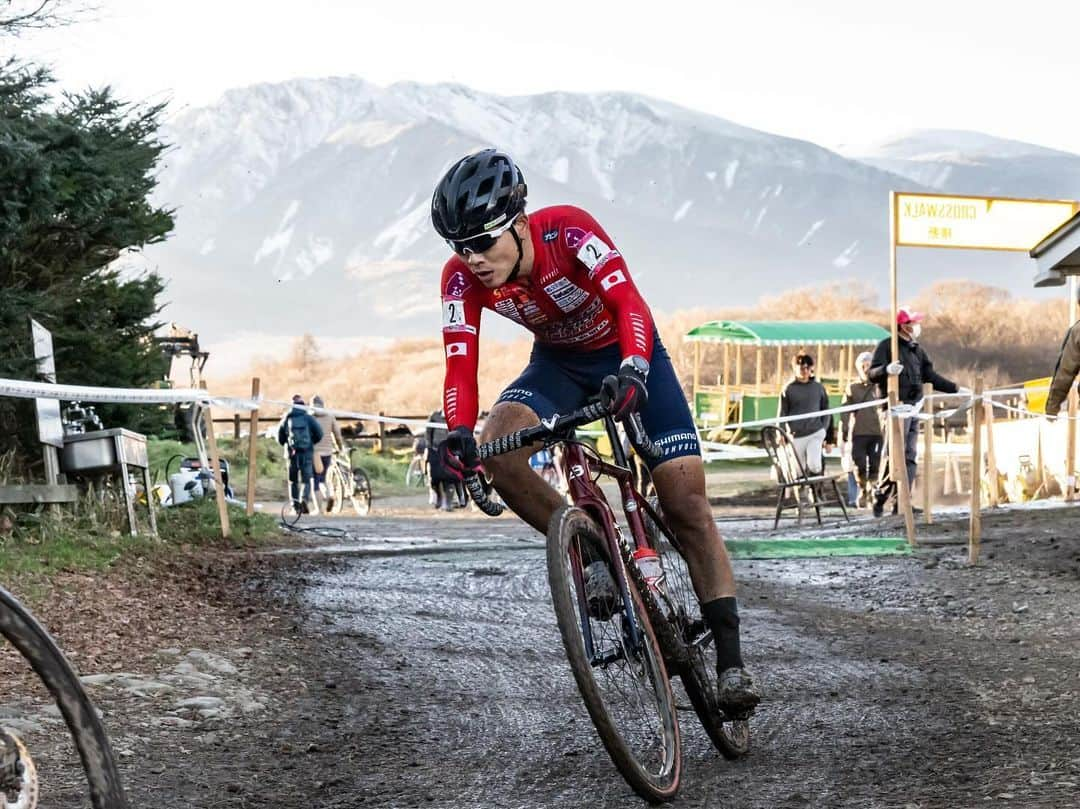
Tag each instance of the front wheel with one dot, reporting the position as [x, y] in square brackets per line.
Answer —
[87, 732]
[622, 680]
[414, 475]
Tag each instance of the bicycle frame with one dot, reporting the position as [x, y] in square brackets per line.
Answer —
[581, 471]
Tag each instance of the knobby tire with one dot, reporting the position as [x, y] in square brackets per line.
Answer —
[567, 523]
[87, 732]
[695, 666]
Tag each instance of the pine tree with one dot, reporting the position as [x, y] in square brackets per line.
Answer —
[75, 178]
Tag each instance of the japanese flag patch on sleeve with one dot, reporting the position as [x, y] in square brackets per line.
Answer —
[594, 253]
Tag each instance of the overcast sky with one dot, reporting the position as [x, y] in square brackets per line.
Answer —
[837, 72]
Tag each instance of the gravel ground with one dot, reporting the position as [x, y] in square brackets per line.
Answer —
[415, 662]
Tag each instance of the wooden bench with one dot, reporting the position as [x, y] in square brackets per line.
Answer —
[792, 479]
[38, 493]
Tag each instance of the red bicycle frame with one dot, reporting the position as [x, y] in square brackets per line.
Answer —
[581, 470]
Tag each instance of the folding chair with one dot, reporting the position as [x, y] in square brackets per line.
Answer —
[792, 479]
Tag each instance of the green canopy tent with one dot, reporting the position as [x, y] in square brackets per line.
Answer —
[731, 400]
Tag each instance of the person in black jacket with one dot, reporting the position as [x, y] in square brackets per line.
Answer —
[804, 394]
[914, 369]
[300, 432]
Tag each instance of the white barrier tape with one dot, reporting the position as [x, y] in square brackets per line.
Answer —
[782, 420]
[22, 389]
[1023, 411]
[356, 416]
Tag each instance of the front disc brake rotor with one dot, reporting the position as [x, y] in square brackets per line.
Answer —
[18, 777]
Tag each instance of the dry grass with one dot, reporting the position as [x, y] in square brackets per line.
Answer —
[970, 328]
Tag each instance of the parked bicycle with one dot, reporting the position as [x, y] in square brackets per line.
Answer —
[345, 482]
[623, 653]
[417, 472]
[19, 778]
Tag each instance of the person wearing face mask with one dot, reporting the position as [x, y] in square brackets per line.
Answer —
[913, 369]
[860, 430]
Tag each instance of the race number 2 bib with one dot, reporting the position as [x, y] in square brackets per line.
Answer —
[594, 253]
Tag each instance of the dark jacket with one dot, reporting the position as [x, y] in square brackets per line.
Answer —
[306, 418]
[807, 397]
[917, 370]
[860, 422]
[1068, 366]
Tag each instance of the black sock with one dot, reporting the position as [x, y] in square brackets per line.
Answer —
[722, 616]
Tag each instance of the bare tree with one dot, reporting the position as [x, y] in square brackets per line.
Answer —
[17, 16]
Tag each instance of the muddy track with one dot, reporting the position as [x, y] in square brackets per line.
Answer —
[436, 678]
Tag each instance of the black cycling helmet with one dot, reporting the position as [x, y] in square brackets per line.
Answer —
[478, 194]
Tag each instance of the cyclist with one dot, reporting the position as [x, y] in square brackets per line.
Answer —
[556, 272]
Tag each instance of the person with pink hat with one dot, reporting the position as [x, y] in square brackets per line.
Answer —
[913, 369]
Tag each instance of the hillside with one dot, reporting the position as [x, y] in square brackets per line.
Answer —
[970, 329]
[302, 206]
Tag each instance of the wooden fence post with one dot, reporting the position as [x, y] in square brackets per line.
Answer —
[253, 439]
[975, 523]
[898, 461]
[215, 468]
[991, 457]
[928, 457]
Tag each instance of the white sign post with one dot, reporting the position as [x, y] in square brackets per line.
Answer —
[50, 426]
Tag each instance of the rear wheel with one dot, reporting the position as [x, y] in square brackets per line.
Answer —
[87, 732]
[624, 683]
[361, 492]
[698, 670]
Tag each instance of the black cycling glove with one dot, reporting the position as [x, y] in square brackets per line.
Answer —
[458, 452]
[628, 393]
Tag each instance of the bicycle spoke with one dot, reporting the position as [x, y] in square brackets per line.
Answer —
[630, 687]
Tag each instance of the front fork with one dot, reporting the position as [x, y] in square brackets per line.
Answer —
[584, 495]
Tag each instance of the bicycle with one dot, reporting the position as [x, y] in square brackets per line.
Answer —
[622, 662]
[416, 475]
[19, 780]
[345, 482]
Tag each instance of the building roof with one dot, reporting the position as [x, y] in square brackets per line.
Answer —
[1058, 254]
[788, 332]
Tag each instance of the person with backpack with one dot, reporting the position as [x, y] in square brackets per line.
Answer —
[300, 432]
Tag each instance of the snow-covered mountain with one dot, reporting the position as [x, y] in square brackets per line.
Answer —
[960, 162]
[303, 206]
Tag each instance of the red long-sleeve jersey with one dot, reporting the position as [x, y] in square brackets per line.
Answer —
[578, 296]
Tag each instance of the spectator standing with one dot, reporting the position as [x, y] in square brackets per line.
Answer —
[324, 449]
[804, 394]
[860, 430]
[913, 367]
[443, 483]
[300, 432]
[1068, 366]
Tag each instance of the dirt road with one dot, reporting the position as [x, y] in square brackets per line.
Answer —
[427, 671]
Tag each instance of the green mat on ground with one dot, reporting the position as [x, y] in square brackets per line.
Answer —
[816, 546]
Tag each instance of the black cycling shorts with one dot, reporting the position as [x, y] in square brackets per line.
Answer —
[558, 380]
